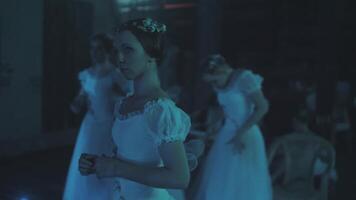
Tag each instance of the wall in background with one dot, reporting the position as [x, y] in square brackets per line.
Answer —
[21, 47]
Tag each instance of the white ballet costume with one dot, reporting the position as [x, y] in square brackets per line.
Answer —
[236, 176]
[94, 136]
[138, 135]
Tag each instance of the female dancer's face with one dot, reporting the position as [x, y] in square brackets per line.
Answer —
[132, 58]
[217, 74]
[97, 52]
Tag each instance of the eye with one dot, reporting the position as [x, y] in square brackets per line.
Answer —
[127, 49]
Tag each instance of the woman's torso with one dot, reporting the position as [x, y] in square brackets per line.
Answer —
[236, 105]
[101, 96]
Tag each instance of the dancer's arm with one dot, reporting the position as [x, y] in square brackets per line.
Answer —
[260, 110]
[79, 102]
[174, 173]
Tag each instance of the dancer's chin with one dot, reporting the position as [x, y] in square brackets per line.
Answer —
[128, 76]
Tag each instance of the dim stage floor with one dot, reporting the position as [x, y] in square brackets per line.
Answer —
[41, 176]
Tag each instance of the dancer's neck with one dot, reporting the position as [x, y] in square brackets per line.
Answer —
[147, 84]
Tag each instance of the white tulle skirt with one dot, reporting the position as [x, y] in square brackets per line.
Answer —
[230, 176]
[95, 138]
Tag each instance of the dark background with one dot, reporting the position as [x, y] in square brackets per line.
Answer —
[44, 44]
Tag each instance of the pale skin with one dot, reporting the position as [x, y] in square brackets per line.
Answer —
[137, 65]
[220, 76]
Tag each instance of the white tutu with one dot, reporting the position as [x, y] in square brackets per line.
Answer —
[236, 176]
[94, 136]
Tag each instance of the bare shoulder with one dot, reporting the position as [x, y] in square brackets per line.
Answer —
[237, 74]
[240, 71]
[90, 69]
[160, 94]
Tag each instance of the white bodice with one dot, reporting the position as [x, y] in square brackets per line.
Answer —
[234, 99]
[138, 136]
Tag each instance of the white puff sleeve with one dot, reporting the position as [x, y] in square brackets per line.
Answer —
[87, 82]
[82, 76]
[167, 122]
[249, 82]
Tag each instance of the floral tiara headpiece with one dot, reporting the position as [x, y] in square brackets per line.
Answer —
[149, 25]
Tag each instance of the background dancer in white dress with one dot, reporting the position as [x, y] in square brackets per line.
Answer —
[101, 86]
[236, 167]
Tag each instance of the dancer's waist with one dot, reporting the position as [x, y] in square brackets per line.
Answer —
[133, 190]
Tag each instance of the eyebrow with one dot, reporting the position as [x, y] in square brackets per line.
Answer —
[125, 44]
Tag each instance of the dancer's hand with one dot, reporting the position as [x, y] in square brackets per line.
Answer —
[106, 167]
[87, 164]
[79, 103]
[237, 145]
[75, 107]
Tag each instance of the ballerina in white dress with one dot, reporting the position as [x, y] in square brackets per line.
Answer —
[101, 86]
[236, 167]
[149, 129]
